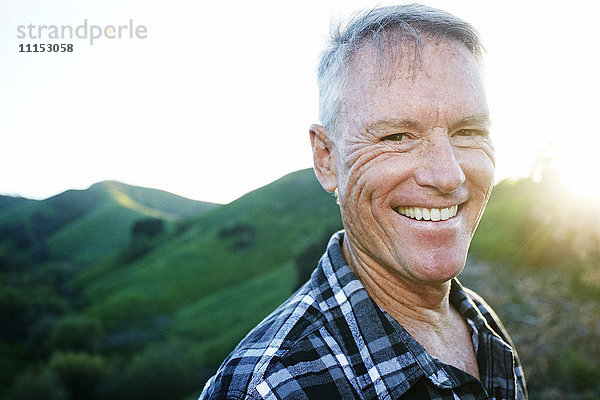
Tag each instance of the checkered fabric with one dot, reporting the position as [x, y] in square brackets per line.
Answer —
[330, 340]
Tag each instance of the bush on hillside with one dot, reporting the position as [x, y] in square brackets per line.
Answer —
[22, 305]
[80, 373]
[576, 371]
[145, 234]
[307, 260]
[148, 227]
[241, 235]
[163, 371]
[76, 333]
[42, 384]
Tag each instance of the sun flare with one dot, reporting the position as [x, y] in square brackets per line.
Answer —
[579, 173]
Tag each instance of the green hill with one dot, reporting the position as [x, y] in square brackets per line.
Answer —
[83, 225]
[221, 271]
[120, 292]
[232, 247]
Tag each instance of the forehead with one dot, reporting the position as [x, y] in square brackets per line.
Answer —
[443, 84]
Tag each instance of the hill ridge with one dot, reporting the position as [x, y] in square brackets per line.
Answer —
[86, 223]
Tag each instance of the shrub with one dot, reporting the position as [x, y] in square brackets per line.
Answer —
[162, 371]
[576, 372]
[42, 384]
[150, 227]
[80, 373]
[76, 333]
[243, 236]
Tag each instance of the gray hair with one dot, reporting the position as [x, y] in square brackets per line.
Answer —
[385, 29]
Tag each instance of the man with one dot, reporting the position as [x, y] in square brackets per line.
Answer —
[404, 143]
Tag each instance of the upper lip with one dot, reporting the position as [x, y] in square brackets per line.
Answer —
[430, 206]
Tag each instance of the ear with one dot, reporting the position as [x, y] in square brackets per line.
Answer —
[323, 157]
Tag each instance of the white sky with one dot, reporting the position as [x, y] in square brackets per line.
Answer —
[218, 99]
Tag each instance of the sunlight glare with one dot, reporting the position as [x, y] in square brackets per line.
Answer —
[579, 172]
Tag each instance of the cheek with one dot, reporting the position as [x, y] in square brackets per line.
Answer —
[478, 166]
[375, 176]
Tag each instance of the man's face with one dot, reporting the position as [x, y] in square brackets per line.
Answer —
[414, 163]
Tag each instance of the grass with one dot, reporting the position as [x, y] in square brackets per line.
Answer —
[219, 321]
[208, 282]
[273, 227]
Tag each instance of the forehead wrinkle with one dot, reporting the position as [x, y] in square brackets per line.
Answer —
[385, 71]
[366, 75]
[394, 124]
[481, 120]
[402, 63]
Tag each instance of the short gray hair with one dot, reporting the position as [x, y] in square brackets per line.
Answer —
[385, 28]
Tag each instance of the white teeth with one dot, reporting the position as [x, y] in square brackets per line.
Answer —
[428, 214]
[418, 213]
[445, 214]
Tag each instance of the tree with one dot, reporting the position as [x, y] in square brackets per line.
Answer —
[162, 371]
[43, 384]
[76, 333]
[80, 373]
[148, 228]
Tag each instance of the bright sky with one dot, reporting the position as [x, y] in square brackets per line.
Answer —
[217, 100]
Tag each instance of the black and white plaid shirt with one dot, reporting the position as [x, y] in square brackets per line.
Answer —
[330, 340]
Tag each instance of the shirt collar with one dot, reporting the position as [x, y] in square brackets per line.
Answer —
[489, 344]
[386, 359]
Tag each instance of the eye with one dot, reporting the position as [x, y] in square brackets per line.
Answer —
[465, 132]
[396, 137]
[470, 132]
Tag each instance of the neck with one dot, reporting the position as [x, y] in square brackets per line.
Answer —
[423, 309]
[415, 305]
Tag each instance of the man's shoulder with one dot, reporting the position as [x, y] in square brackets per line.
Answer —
[285, 335]
[488, 314]
[493, 323]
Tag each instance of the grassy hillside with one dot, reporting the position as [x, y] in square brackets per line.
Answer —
[220, 272]
[152, 316]
[83, 225]
[45, 244]
[260, 233]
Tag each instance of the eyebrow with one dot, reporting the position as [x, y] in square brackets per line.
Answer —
[480, 120]
[407, 123]
[394, 124]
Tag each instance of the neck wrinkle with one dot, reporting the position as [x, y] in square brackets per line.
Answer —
[413, 305]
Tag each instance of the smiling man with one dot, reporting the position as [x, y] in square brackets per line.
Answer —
[404, 143]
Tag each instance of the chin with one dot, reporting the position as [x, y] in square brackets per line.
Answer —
[436, 269]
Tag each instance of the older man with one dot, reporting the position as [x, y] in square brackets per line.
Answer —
[405, 145]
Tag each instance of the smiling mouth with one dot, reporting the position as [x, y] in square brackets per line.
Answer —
[428, 214]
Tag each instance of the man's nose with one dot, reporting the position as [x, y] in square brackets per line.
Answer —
[440, 168]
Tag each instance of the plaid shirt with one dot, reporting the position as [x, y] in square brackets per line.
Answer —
[330, 340]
